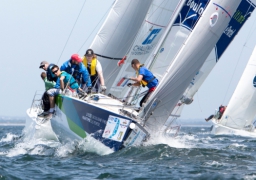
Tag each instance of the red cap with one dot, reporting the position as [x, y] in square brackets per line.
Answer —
[76, 58]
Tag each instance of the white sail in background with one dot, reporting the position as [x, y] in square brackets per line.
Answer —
[152, 29]
[240, 111]
[241, 16]
[188, 61]
[117, 34]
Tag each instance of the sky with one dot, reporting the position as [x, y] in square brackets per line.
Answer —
[34, 31]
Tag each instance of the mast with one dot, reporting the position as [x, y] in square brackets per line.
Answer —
[167, 31]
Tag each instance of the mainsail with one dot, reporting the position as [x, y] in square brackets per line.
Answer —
[180, 26]
[150, 33]
[188, 61]
[117, 34]
[240, 111]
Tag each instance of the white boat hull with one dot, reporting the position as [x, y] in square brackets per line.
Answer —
[99, 121]
[219, 129]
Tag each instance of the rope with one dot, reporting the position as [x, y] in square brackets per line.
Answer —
[71, 31]
[95, 28]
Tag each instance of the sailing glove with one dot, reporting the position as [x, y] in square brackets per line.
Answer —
[89, 90]
[129, 84]
[127, 78]
[103, 88]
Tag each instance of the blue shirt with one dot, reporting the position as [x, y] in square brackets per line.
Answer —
[79, 71]
[67, 78]
[148, 77]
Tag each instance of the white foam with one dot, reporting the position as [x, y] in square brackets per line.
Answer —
[9, 137]
[177, 142]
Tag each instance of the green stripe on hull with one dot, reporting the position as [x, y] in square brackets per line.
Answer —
[72, 126]
[76, 129]
[58, 102]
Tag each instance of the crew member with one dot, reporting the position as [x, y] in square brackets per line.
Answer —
[144, 78]
[95, 70]
[75, 67]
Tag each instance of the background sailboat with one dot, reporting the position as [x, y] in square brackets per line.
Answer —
[240, 112]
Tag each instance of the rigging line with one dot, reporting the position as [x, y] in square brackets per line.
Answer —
[233, 74]
[117, 26]
[163, 43]
[157, 7]
[244, 46]
[199, 104]
[71, 31]
[95, 27]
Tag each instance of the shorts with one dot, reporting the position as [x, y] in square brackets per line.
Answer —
[53, 92]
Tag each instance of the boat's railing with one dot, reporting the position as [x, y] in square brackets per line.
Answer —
[37, 102]
[172, 130]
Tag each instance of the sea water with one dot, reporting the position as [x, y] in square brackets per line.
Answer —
[193, 154]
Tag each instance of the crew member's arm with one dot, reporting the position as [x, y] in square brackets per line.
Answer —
[100, 73]
[137, 80]
[86, 77]
[62, 83]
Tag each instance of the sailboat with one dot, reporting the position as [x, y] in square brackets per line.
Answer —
[112, 123]
[101, 119]
[239, 115]
[238, 20]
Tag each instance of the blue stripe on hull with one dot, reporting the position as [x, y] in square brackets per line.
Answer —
[92, 120]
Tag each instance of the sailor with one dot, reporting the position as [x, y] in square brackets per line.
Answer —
[64, 80]
[76, 68]
[144, 78]
[95, 70]
[47, 67]
[48, 84]
[219, 114]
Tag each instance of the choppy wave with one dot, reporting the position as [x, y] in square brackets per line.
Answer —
[193, 154]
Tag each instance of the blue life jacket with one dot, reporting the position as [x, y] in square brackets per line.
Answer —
[148, 79]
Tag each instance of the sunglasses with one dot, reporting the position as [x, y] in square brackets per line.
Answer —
[55, 71]
[42, 66]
